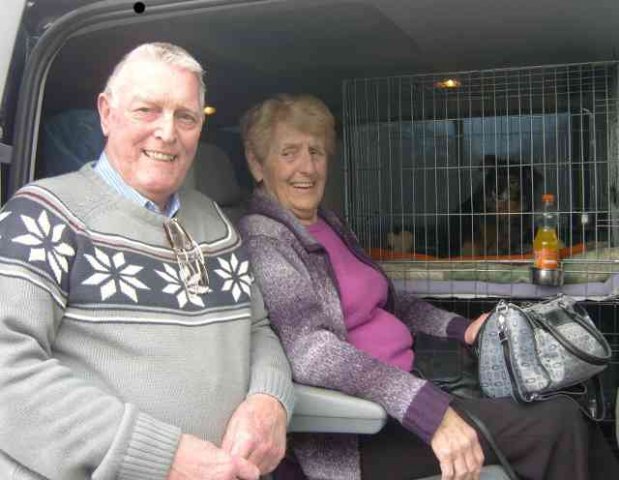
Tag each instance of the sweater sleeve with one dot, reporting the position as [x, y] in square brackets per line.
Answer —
[320, 357]
[53, 422]
[421, 316]
[269, 366]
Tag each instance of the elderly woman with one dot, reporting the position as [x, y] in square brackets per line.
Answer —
[344, 328]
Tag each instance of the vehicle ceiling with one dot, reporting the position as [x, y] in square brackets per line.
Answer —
[251, 51]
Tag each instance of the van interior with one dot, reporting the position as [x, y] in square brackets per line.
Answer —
[453, 117]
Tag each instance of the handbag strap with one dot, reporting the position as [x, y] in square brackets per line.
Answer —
[483, 430]
[595, 409]
[543, 322]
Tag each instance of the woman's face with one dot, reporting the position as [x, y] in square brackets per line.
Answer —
[294, 171]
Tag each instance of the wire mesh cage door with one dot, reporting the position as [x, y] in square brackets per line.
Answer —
[452, 167]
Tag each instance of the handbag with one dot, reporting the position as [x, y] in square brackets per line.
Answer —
[542, 350]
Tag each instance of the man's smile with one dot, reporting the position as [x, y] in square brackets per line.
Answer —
[159, 156]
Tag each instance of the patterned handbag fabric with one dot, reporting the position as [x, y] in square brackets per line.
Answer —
[540, 350]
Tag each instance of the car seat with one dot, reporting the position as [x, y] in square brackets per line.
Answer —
[212, 173]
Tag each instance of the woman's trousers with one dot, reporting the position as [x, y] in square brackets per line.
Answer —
[542, 441]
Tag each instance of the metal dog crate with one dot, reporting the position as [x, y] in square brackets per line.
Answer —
[432, 161]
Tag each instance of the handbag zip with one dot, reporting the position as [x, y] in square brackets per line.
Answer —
[518, 395]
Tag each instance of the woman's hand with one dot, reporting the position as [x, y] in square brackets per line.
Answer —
[473, 329]
[457, 448]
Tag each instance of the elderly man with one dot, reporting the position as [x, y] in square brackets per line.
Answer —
[133, 344]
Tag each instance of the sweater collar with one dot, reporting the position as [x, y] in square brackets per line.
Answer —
[263, 203]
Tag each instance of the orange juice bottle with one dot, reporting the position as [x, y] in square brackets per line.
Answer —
[546, 242]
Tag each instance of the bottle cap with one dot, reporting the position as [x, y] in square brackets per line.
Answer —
[548, 198]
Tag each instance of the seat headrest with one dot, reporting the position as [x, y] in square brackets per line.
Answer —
[69, 139]
[213, 174]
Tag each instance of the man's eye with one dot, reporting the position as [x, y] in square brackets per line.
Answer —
[187, 119]
[144, 112]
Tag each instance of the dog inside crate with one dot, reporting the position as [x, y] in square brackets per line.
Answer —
[496, 219]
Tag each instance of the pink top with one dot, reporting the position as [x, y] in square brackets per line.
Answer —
[363, 292]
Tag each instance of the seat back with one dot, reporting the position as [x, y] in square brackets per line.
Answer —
[212, 173]
[68, 140]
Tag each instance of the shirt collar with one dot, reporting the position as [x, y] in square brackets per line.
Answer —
[105, 170]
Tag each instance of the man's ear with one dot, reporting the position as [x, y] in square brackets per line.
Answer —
[255, 167]
[105, 110]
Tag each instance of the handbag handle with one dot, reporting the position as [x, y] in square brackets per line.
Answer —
[570, 347]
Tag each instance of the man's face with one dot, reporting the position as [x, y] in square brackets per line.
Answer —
[152, 126]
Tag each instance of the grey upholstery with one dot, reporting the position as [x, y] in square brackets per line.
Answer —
[321, 410]
[212, 173]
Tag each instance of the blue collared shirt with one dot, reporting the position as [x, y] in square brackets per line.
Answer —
[114, 180]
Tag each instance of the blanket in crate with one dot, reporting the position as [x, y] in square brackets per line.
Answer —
[589, 274]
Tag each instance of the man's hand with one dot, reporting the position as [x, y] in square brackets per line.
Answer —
[196, 459]
[257, 432]
[457, 448]
[473, 329]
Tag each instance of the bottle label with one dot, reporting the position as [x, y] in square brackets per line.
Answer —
[547, 258]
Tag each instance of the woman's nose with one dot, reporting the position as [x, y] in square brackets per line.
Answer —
[307, 162]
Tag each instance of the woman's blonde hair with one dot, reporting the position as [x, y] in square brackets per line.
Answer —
[304, 112]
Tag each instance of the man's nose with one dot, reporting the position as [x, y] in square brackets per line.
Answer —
[166, 128]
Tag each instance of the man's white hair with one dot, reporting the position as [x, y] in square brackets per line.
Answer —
[158, 51]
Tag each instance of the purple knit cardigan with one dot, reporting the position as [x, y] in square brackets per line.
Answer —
[301, 293]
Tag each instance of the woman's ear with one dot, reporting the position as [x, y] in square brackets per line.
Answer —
[255, 167]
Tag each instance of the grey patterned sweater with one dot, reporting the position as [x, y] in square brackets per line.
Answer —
[104, 357]
[301, 295]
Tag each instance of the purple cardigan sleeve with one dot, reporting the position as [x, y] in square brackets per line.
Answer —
[421, 316]
[306, 314]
